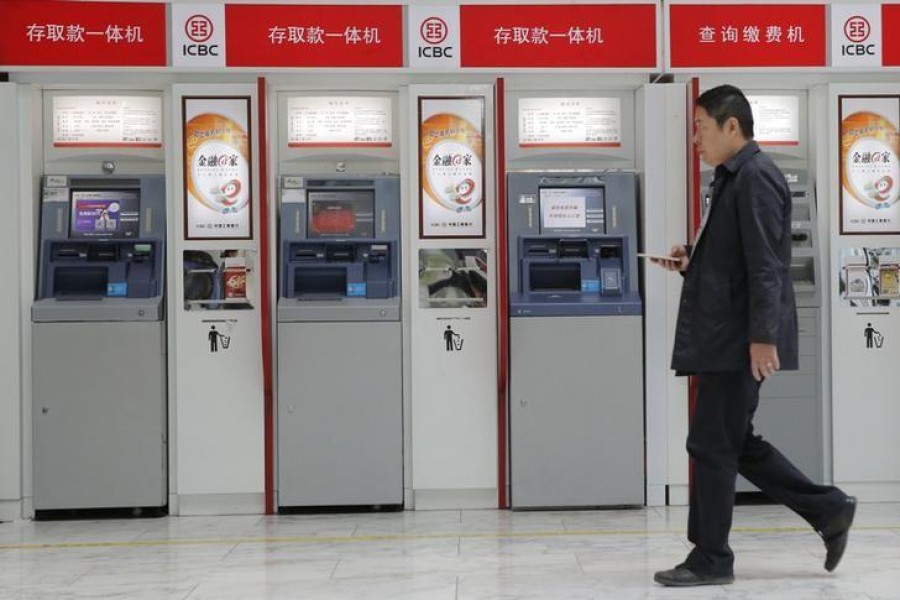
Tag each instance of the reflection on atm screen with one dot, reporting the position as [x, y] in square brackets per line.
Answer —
[347, 213]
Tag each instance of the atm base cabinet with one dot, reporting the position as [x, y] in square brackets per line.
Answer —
[576, 412]
[99, 415]
[340, 414]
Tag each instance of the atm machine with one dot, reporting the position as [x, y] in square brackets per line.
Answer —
[99, 345]
[340, 433]
[576, 340]
[790, 413]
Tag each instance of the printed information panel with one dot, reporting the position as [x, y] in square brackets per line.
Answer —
[570, 122]
[107, 121]
[339, 121]
[776, 120]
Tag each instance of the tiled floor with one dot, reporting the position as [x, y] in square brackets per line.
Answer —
[437, 555]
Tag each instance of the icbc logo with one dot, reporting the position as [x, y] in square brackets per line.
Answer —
[198, 28]
[434, 31]
[857, 30]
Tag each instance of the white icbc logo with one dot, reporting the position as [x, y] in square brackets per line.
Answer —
[433, 32]
[857, 30]
[199, 28]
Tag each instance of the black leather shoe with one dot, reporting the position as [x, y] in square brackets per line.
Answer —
[684, 577]
[835, 534]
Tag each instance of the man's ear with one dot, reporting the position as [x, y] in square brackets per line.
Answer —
[732, 126]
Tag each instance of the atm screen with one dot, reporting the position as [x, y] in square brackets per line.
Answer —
[572, 210]
[343, 214]
[105, 214]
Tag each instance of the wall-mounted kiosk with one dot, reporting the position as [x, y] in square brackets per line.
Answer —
[576, 350]
[99, 344]
[339, 342]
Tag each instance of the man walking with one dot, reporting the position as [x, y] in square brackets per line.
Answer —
[737, 326]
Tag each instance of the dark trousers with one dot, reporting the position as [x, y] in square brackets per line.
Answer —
[722, 443]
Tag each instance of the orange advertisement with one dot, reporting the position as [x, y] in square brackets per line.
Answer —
[451, 167]
[217, 167]
[869, 164]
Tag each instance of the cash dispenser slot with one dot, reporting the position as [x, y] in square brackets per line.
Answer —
[302, 253]
[539, 250]
[554, 277]
[80, 282]
[803, 273]
[66, 252]
[320, 282]
[573, 248]
[801, 239]
[103, 253]
[340, 253]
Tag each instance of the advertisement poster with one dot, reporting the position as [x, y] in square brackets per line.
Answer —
[107, 121]
[570, 122]
[217, 165]
[339, 121]
[869, 167]
[451, 167]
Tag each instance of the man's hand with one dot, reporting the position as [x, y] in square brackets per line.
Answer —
[763, 360]
[679, 260]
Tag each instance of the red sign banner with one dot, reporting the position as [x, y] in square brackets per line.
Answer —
[747, 35]
[82, 34]
[559, 35]
[890, 24]
[277, 35]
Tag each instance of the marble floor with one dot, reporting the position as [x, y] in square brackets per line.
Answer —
[437, 555]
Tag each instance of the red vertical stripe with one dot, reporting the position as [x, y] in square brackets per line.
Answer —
[266, 295]
[502, 300]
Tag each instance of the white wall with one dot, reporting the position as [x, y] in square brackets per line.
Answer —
[10, 340]
[662, 163]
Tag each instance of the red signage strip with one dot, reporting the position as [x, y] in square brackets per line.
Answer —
[747, 35]
[82, 34]
[890, 23]
[278, 35]
[556, 35]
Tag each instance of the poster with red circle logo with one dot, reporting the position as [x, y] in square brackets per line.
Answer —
[218, 188]
[451, 167]
[869, 164]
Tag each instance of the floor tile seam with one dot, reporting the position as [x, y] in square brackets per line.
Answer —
[334, 570]
[406, 537]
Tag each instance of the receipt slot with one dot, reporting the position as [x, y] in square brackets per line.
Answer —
[576, 350]
[99, 345]
[340, 431]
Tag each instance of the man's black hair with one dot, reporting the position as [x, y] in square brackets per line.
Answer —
[726, 101]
